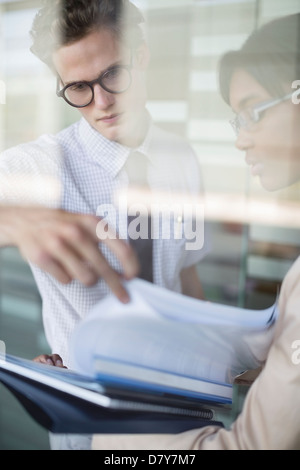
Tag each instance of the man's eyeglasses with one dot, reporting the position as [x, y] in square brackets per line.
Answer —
[250, 116]
[115, 80]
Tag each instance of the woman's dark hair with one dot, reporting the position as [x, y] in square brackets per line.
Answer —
[62, 22]
[271, 55]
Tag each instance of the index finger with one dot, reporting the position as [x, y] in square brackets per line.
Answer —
[121, 249]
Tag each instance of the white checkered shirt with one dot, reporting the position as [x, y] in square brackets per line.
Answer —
[89, 168]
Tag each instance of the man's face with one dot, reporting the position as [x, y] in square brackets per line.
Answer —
[118, 117]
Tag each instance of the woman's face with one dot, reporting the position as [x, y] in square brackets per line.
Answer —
[272, 145]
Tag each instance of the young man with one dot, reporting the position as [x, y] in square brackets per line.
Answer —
[97, 51]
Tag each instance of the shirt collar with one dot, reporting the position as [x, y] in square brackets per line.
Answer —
[110, 155]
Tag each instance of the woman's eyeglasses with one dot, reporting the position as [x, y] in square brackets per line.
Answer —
[250, 116]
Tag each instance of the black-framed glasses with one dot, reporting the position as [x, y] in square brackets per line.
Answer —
[116, 80]
[250, 116]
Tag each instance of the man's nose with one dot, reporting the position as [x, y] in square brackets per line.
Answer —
[103, 99]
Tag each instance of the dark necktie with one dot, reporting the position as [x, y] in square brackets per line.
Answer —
[136, 168]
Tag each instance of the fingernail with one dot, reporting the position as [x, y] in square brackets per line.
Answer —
[125, 298]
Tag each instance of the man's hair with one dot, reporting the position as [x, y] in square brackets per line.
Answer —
[271, 55]
[62, 22]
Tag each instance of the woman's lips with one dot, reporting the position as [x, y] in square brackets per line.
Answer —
[256, 168]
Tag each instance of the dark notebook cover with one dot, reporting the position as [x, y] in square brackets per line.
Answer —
[123, 410]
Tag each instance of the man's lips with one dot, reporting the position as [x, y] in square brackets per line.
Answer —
[110, 118]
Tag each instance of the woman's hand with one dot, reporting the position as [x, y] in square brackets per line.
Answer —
[50, 359]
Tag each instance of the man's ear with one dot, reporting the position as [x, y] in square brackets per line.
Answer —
[143, 56]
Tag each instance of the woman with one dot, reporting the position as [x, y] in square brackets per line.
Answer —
[256, 82]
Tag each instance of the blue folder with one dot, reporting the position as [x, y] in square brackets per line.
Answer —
[60, 411]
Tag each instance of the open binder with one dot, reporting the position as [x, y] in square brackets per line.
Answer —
[66, 402]
[164, 340]
[164, 363]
